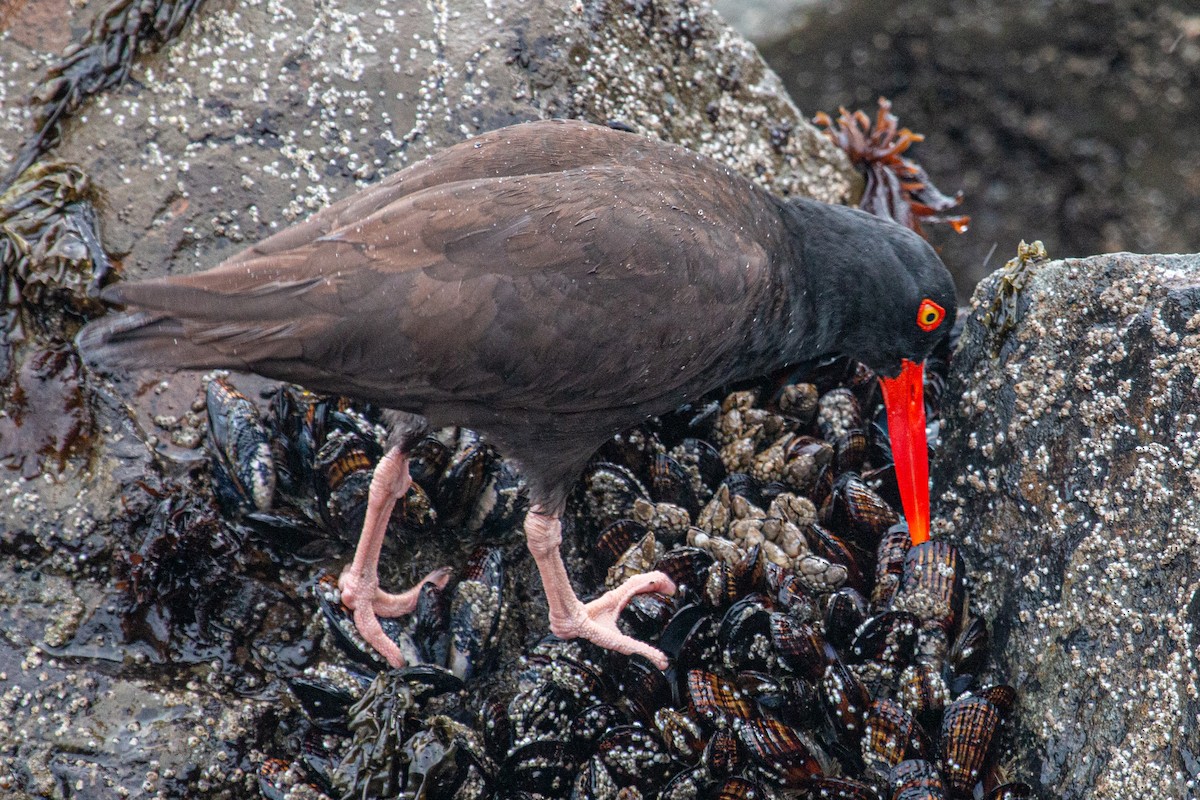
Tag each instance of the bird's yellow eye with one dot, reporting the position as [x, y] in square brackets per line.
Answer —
[929, 315]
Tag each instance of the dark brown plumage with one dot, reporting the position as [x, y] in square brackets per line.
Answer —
[548, 284]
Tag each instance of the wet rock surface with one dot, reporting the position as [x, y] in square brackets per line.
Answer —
[1069, 478]
[144, 631]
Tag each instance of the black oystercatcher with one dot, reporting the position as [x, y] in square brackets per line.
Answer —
[549, 285]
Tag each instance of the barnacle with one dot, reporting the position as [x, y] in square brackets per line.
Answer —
[897, 187]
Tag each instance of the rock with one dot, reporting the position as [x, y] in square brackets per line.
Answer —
[1069, 477]
[989, 85]
[130, 666]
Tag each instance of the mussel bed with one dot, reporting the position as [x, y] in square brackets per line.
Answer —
[814, 652]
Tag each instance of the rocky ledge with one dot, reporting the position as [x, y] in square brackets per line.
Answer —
[1069, 477]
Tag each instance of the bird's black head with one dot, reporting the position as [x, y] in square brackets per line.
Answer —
[882, 292]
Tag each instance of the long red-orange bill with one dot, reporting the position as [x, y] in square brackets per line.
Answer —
[904, 397]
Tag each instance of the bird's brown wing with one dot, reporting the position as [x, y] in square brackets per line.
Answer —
[592, 288]
[530, 148]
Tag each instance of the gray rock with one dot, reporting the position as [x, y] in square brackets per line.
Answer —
[1069, 476]
[257, 115]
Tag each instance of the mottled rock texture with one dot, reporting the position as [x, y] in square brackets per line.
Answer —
[256, 115]
[1069, 477]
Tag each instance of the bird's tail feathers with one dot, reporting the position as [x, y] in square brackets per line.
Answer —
[145, 339]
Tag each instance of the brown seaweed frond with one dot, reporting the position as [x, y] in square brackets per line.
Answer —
[897, 187]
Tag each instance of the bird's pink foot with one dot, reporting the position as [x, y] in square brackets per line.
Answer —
[595, 621]
[362, 595]
[359, 582]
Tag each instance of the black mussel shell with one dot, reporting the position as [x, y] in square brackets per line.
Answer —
[703, 462]
[671, 483]
[606, 494]
[327, 703]
[968, 729]
[431, 630]
[889, 639]
[594, 722]
[476, 612]
[857, 513]
[723, 755]
[933, 584]
[846, 610]
[497, 729]
[715, 701]
[647, 614]
[890, 736]
[836, 550]
[799, 646]
[968, 655]
[634, 449]
[924, 694]
[784, 756]
[545, 767]
[916, 779]
[682, 735]
[687, 567]
[850, 450]
[742, 485]
[1011, 791]
[889, 564]
[243, 461]
[635, 756]
[744, 634]
[735, 788]
[827, 788]
[614, 541]
[846, 701]
[644, 686]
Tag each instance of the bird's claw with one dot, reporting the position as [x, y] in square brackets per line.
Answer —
[362, 595]
[596, 621]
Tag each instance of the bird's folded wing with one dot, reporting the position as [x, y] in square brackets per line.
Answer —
[512, 291]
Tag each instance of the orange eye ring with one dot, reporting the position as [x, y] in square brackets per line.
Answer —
[929, 315]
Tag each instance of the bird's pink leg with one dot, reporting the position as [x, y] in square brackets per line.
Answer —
[596, 621]
[359, 581]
